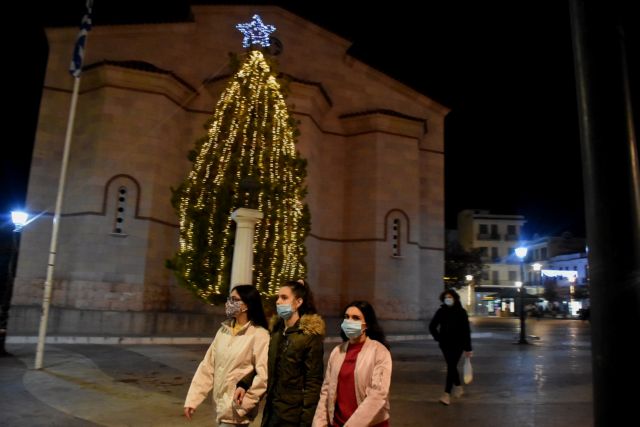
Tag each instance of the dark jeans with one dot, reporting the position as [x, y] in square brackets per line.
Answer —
[452, 357]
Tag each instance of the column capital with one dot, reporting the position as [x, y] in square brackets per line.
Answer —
[245, 214]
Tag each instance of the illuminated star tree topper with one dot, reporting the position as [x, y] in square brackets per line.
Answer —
[255, 32]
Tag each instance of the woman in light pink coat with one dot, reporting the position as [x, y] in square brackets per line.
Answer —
[355, 391]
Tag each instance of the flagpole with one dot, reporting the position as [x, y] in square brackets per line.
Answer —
[75, 69]
[46, 299]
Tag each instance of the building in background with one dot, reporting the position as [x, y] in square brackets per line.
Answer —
[496, 236]
[556, 270]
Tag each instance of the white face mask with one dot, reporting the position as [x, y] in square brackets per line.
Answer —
[448, 301]
[351, 328]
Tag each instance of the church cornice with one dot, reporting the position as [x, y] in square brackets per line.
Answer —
[384, 121]
[386, 112]
[140, 66]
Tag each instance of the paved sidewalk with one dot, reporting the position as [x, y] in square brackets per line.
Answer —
[547, 383]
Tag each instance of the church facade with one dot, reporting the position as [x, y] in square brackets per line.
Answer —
[375, 152]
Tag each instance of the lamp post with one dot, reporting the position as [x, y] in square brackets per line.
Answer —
[537, 267]
[19, 219]
[521, 252]
[470, 294]
[572, 291]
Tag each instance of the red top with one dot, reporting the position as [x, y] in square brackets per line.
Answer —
[346, 402]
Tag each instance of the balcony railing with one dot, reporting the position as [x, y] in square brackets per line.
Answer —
[487, 236]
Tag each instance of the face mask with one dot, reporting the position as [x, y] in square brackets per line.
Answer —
[284, 311]
[448, 301]
[351, 328]
[231, 308]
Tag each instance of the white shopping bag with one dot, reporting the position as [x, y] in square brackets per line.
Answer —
[467, 370]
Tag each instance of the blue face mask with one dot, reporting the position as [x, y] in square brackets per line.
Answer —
[448, 301]
[284, 311]
[351, 328]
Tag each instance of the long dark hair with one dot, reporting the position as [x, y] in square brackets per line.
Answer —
[300, 289]
[251, 297]
[374, 330]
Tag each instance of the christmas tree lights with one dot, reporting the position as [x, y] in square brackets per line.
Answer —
[251, 135]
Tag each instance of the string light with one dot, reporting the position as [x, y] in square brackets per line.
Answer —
[251, 135]
[255, 32]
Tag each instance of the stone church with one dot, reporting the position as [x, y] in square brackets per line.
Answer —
[375, 151]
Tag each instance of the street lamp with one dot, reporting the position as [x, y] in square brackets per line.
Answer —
[572, 291]
[19, 220]
[537, 267]
[470, 292]
[521, 252]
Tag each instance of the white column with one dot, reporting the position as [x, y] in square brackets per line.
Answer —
[242, 266]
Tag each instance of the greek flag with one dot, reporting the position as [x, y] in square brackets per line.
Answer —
[78, 51]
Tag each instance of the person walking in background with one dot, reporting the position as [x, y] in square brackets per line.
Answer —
[239, 347]
[295, 359]
[355, 391]
[450, 328]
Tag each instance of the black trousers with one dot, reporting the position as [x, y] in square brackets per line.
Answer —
[452, 357]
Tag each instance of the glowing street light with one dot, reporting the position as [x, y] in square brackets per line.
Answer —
[19, 220]
[521, 252]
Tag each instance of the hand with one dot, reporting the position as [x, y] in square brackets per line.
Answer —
[468, 353]
[238, 395]
[188, 412]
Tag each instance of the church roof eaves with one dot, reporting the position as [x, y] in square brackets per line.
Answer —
[142, 66]
[384, 112]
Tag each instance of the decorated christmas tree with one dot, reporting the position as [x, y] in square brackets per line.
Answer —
[247, 159]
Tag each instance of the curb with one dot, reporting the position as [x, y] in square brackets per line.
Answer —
[61, 339]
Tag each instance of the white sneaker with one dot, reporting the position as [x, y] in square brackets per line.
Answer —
[445, 399]
[458, 392]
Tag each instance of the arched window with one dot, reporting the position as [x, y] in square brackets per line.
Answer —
[121, 206]
[396, 230]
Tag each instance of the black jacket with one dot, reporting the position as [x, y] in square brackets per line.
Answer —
[296, 368]
[450, 327]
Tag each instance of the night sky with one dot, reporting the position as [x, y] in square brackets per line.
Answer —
[505, 69]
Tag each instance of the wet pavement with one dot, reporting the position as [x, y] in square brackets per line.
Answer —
[546, 383]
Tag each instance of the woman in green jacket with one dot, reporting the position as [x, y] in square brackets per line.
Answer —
[295, 359]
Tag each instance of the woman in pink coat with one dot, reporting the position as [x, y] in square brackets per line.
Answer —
[355, 391]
